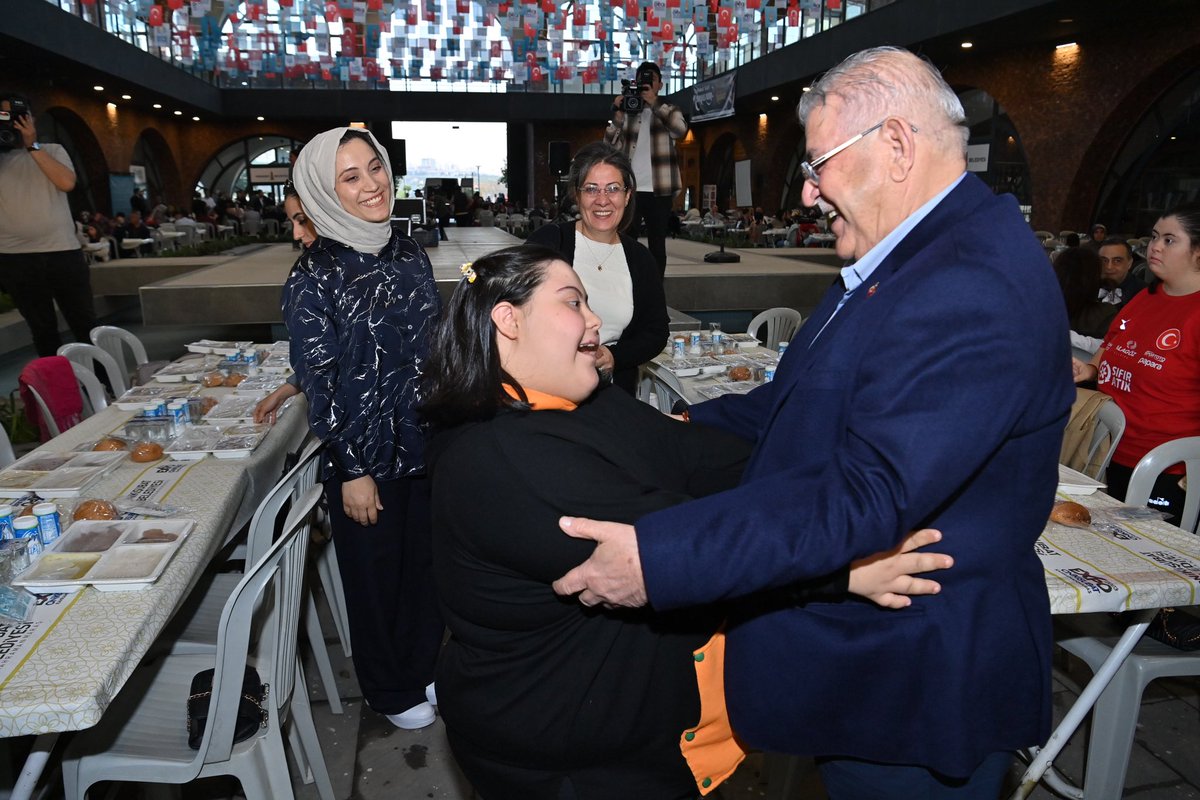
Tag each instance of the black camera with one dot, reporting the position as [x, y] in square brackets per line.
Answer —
[631, 91]
[10, 137]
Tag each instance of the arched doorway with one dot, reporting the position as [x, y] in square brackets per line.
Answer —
[229, 170]
[62, 125]
[994, 151]
[1158, 167]
[163, 183]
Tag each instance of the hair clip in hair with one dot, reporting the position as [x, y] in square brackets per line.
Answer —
[468, 272]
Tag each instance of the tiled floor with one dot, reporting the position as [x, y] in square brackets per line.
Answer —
[368, 758]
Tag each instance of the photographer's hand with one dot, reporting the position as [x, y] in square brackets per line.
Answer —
[62, 176]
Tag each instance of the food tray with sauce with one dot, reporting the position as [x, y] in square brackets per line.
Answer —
[219, 348]
[188, 368]
[138, 396]
[260, 385]
[54, 475]
[234, 441]
[112, 555]
[232, 410]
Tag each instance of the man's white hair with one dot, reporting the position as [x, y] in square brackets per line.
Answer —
[890, 81]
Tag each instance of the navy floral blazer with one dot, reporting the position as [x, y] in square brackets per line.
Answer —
[360, 327]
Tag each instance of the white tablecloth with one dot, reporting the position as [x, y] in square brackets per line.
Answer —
[72, 675]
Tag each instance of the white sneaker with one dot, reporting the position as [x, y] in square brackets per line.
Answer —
[419, 716]
[431, 695]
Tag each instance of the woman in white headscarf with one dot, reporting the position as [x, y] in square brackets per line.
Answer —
[359, 306]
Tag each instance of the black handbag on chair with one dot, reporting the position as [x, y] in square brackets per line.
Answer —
[252, 711]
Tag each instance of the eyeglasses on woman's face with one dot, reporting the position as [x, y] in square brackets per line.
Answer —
[593, 191]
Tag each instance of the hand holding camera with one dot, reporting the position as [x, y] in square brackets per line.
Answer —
[16, 124]
[638, 93]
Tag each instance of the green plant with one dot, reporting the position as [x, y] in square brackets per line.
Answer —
[16, 424]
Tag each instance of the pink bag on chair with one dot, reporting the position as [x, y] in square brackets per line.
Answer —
[54, 380]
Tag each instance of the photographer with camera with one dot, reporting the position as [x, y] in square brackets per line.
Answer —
[41, 259]
[645, 129]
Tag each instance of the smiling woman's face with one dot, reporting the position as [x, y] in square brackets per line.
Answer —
[361, 182]
[549, 344]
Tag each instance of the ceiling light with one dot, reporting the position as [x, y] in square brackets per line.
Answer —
[111, 106]
[967, 45]
[195, 119]
[158, 105]
[806, 89]
[260, 119]
[1066, 20]
[1173, 138]
[179, 113]
[774, 98]
[98, 88]
[1065, 45]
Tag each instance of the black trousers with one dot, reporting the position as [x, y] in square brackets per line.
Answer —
[656, 211]
[37, 280]
[387, 575]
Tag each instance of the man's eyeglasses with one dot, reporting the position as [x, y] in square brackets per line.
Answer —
[593, 191]
[809, 168]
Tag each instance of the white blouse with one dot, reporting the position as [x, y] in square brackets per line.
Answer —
[604, 273]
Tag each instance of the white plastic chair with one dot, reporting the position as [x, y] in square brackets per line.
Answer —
[94, 397]
[7, 456]
[1091, 638]
[486, 218]
[1110, 423]
[143, 735]
[88, 355]
[782, 324]
[502, 221]
[44, 410]
[658, 390]
[195, 626]
[114, 341]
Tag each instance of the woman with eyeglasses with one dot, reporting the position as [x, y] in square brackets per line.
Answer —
[619, 273]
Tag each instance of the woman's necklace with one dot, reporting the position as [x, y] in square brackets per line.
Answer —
[600, 262]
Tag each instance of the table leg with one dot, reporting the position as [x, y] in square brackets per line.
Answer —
[34, 764]
[1045, 756]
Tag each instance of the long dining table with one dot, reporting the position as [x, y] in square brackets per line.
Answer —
[60, 671]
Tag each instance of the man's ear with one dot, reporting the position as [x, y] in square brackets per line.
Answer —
[900, 137]
[504, 317]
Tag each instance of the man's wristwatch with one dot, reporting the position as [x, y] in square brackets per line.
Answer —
[34, 147]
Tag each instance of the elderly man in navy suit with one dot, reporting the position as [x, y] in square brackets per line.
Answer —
[929, 389]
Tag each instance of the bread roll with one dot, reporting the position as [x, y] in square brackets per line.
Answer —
[1068, 513]
[146, 451]
[95, 509]
[740, 373]
[110, 443]
[234, 379]
[213, 379]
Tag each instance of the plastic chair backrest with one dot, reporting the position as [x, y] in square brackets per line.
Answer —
[47, 417]
[114, 340]
[87, 354]
[1167, 454]
[1110, 423]
[280, 570]
[92, 390]
[297, 481]
[782, 324]
[7, 456]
